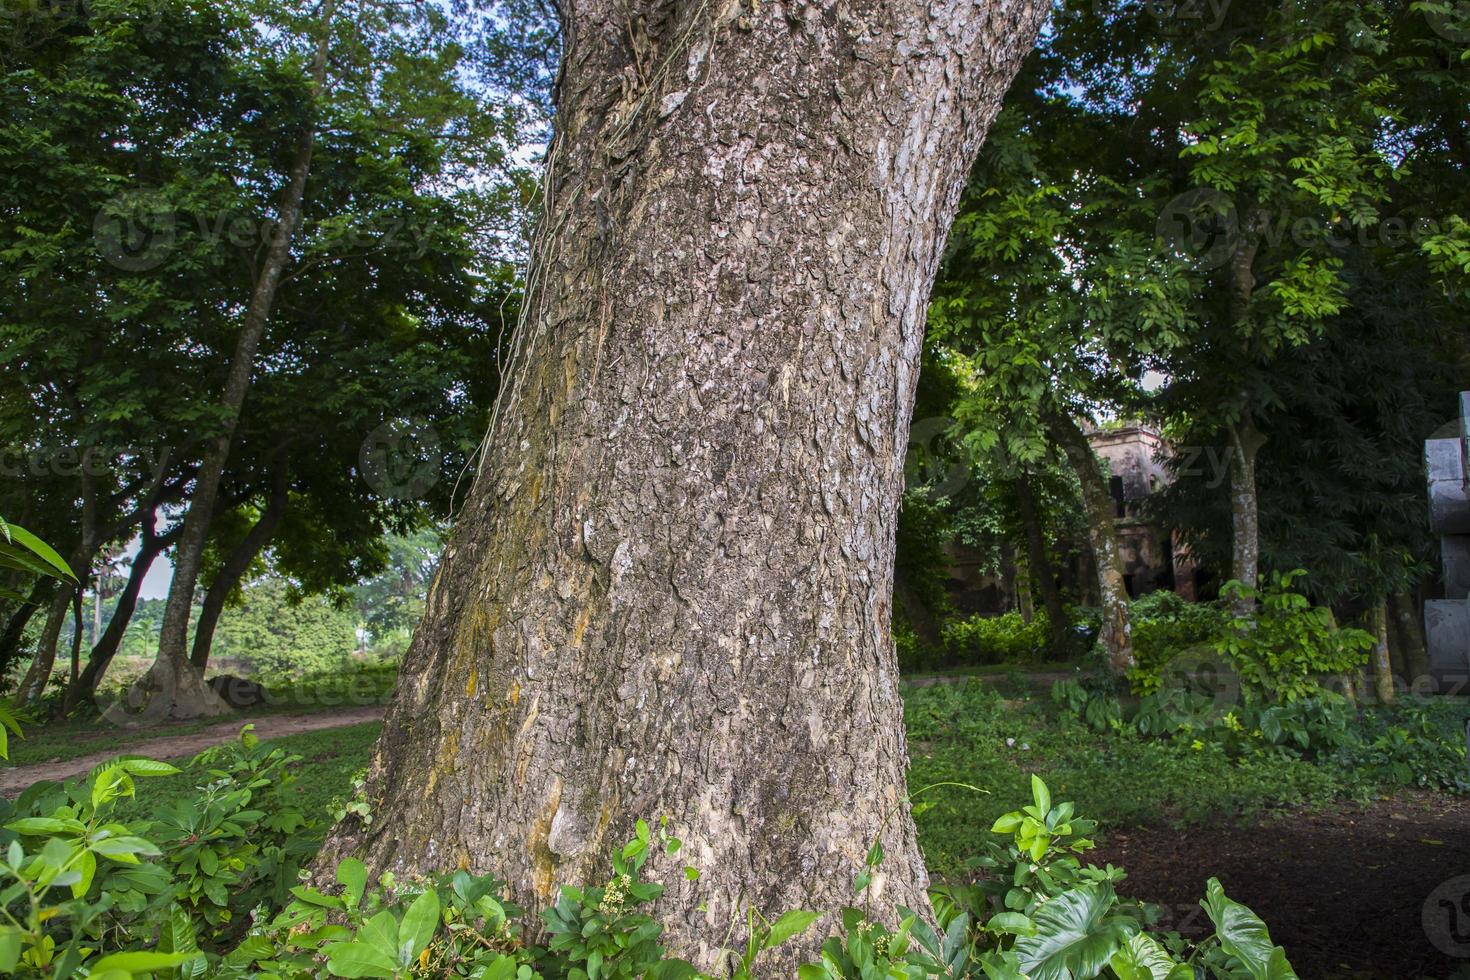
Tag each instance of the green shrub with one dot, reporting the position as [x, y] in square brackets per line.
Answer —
[1410, 744]
[1004, 639]
[1277, 654]
[1287, 645]
[1164, 625]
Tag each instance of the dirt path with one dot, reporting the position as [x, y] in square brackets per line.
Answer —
[1379, 891]
[162, 746]
[1039, 678]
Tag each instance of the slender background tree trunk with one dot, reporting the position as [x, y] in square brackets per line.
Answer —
[668, 593]
[15, 626]
[106, 647]
[174, 686]
[1245, 523]
[1041, 570]
[1382, 668]
[1117, 629]
[33, 685]
[1409, 616]
[235, 567]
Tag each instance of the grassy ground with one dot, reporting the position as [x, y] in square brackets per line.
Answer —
[1172, 812]
[987, 735]
[976, 735]
[86, 734]
[329, 757]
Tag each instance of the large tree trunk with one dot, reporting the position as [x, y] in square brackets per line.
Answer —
[1102, 536]
[1245, 525]
[235, 567]
[1040, 564]
[173, 686]
[668, 592]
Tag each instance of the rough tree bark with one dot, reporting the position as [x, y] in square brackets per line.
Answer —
[173, 686]
[1116, 634]
[236, 565]
[668, 591]
[1039, 561]
[1024, 602]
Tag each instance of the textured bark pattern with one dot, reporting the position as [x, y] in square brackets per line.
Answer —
[668, 593]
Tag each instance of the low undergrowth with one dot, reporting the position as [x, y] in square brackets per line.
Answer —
[210, 885]
[970, 733]
[192, 873]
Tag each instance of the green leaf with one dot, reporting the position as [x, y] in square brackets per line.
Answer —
[40, 549]
[177, 935]
[44, 826]
[1007, 823]
[352, 875]
[86, 867]
[358, 959]
[419, 924]
[1040, 794]
[382, 932]
[1013, 923]
[1244, 936]
[1075, 935]
[1144, 958]
[148, 767]
[9, 948]
[313, 897]
[110, 783]
[791, 923]
[141, 962]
